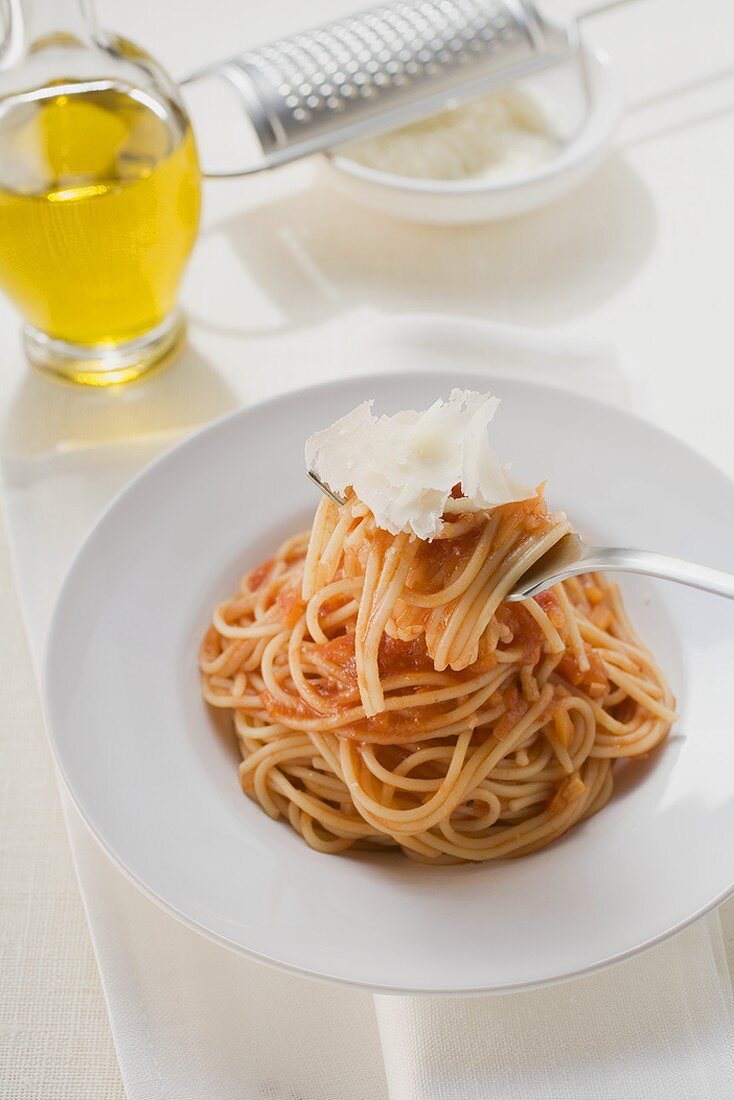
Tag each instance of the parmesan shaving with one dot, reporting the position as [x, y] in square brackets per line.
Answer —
[404, 467]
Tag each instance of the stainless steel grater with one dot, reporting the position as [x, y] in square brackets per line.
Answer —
[383, 68]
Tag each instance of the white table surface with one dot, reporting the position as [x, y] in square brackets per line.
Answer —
[639, 256]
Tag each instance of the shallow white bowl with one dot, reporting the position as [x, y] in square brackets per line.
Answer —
[586, 130]
[155, 773]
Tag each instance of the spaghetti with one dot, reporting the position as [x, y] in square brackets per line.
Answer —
[384, 695]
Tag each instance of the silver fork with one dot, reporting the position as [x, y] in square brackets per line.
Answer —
[571, 557]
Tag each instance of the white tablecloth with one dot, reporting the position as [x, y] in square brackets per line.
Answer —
[639, 257]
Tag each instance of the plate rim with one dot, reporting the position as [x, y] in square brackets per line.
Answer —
[170, 454]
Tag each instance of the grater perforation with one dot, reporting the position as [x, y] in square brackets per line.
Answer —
[385, 67]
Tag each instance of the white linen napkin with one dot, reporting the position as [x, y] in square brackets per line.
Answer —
[194, 1021]
[659, 1027]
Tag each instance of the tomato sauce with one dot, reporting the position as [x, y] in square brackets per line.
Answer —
[290, 605]
[526, 634]
[515, 707]
[594, 680]
[258, 575]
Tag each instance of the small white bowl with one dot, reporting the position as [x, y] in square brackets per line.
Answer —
[584, 120]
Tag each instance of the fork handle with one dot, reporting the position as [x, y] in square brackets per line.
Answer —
[651, 564]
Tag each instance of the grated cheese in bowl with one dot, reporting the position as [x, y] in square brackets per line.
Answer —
[497, 136]
[404, 467]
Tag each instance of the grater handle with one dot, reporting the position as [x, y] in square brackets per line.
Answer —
[264, 162]
[599, 9]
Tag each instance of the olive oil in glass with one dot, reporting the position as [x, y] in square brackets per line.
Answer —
[99, 205]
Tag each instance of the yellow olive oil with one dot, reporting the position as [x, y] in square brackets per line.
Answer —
[99, 208]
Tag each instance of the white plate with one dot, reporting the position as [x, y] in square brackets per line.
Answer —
[155, 775]
[584, 102]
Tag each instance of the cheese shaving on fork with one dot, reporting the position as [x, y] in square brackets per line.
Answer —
[404, 467]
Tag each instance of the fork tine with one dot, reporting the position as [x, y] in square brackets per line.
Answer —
[336, 497]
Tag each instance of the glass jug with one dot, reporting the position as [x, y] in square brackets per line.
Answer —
[99, 193]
